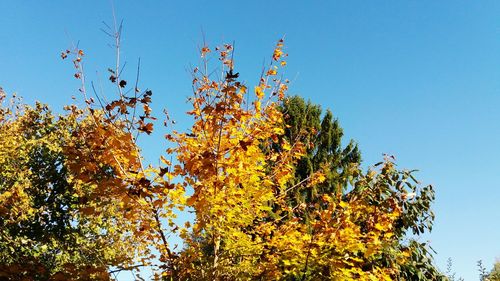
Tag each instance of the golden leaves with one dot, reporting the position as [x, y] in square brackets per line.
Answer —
[272, 71]
[48, 161]
[259, 92]
[238, 166]
[278, 51]
[224, 158]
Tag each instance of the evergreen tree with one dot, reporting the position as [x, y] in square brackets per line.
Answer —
[322, 136]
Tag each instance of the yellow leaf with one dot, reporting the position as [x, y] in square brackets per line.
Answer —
[258, 92]
[271, 72]
[286, 146]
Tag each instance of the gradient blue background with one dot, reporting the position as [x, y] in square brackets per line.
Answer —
[417, 79]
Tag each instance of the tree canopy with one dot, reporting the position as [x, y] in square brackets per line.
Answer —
[274, 192]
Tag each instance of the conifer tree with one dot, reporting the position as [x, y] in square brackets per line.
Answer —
[322, 136]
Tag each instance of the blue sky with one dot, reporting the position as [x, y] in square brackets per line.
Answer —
[417, 79]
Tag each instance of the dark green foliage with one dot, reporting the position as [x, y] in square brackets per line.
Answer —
[322, 136]
[400, 188]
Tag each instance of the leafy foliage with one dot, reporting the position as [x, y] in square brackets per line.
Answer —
[45, 228]
[271, 202]
[325, 154]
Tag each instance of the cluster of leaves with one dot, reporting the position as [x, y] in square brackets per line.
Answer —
[340, 165]
[46, 229]
[273, 199]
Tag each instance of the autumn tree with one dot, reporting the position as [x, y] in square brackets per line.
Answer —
[76, 201]
[270, 200]
[45, 231]
[144, 199]
[242, 169]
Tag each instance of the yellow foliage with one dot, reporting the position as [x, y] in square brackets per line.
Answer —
[244, 228]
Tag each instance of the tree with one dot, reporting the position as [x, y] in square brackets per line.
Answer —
[270, 201]
[416, 217]
[75, 201]
[322, 137]
[324, 153]
[44, 229]
[239, 151]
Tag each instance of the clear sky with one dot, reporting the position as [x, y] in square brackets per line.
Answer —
[416, 79]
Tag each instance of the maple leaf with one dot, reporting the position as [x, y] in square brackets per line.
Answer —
[147, 128]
